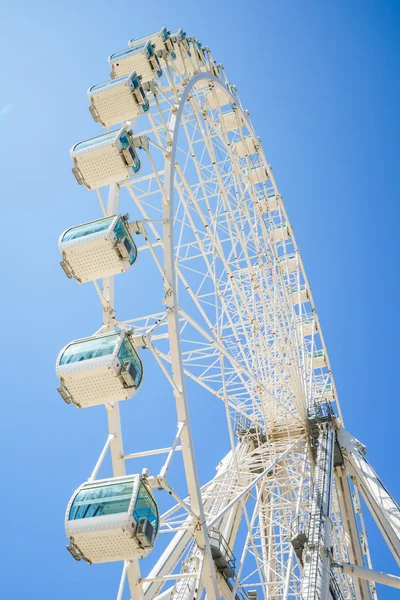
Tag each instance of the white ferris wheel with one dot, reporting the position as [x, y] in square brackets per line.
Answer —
[232, 317]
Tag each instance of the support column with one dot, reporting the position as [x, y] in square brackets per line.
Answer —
[316, 574]
[113, 414]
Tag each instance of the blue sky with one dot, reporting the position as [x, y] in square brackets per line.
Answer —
[320, 80]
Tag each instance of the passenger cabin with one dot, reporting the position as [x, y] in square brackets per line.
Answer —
[268, 202]
[324, 392]
[198, 54]
[160, 40]
[201, 84]
[231, 119]
[185, 62]
[105, 159]
[206, 62]
[280, 232]
[289, 262]
[192, 58]
[141, 59]
[117, 100]
[97, 249]
[100, 369]
[308, 325]
[318, 359]
[300, 294]
[246, 146]
[112, 519]
[217, 96]
[179, 39]
[257, 174]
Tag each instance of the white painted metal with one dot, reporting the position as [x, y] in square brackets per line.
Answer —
[217, 97]
[383, 507]
[117, 101]
[101, 163]
[236, 322]
[231, 120]
[93, 256]
[257, 174]
[96, 380]
[159, 39]
[268, 203]
[315, 584]
[135, 60]
[370, 575]
[351, 529]
[110, 537]
[246, 146]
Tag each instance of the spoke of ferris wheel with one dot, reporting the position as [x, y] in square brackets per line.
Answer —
[113, 413]
[236, 290]
[234, 362]
[199, 176]
[181, 400]
[193, 298]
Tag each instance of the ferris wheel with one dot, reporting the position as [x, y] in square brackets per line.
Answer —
[231, 317]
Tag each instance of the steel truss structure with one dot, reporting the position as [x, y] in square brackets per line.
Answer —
[281, 519]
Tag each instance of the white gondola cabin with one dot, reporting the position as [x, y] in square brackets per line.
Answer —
[289, 262]
[184, 61]
[217, 96]
[246, 146]
[117, 100]
[258, 174]
[280, 232]
[206, 62]
[197, 54]
[179, 39]
[190, 58]
[300, 294]
[325, 392]
[105, 159]
[308, 325]
[160, 40]
[112, 519]
[97, 249]
[231, 119]
[268, 202]
[100, 369]
[141, 59]
[318, 359]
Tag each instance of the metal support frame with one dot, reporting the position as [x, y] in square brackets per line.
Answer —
[113, 413]
[353, 544]
[253, 483]
[369, 574]
[171, 302]
[383, 507]
[316, 554]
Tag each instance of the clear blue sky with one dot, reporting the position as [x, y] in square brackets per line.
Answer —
[321, 80]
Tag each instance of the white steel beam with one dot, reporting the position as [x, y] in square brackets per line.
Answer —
[171, 302]
[352, 535]
[382, 505]
[369, 574]
[315, 581]
[254, 482]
